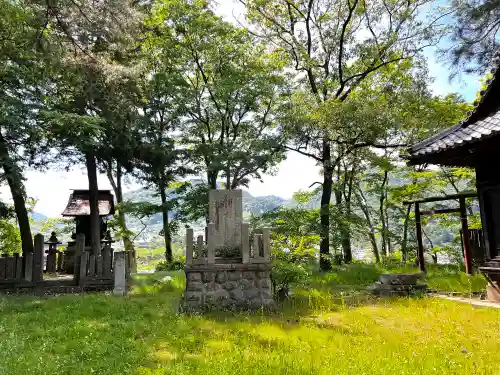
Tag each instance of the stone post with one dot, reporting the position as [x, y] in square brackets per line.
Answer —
[266, 249]
[199, 247]
[211, 244]
[99, 266]
[60, 261]
[28, 267]
[82, 265]
[92, 261]
[79, 250]
[120, 282]
[107, 261]
[189, 246]
[245, 243]
[257, 239]
[38, 259]
[52, 253]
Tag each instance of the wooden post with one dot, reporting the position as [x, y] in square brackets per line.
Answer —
[38, 258]
[420, 250]
[245, 243]
[211, 243]
[266, 249]
[10, 268]
[3, 264]
[465, 235]
[189, 245]
[19, 266]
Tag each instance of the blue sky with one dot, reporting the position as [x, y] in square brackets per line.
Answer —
[297, 172]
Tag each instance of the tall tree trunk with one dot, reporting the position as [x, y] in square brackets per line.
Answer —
[404, 242]
[15, 180]
[212, 179]
[346, 232]
[382, 216]
[95, 220]
[387, 224]
[371, 234]
[326, 193]
[117, 188]
[228, 177]
[166, 228]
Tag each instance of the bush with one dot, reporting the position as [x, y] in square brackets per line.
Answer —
[177, 264]
[223, 251]
[285, 274]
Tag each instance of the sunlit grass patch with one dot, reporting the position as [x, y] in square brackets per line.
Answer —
[325, 328]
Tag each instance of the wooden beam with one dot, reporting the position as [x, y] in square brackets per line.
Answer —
[466, 194]
[441, 211]
[420, 250]
[466, 240]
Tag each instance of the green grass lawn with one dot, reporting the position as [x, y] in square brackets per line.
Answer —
[443, 278]
[314, 333]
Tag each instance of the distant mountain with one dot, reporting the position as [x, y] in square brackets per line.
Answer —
[251, 205]
[37, 216]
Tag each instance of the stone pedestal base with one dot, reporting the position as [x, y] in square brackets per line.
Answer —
[228, 287]
[492, 293]
[398, 285]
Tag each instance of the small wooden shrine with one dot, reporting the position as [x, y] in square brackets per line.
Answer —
[78, 207]
[475, 143]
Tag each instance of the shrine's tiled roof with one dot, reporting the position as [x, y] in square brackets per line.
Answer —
[78, 204]
[482, 122]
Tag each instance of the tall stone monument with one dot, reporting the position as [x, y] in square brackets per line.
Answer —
[239, 281]
[226, 213]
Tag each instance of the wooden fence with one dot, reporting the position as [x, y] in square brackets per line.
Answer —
[94, 272]
[16, 269]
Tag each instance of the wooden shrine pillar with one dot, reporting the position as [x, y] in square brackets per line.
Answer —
[420, 249]
[465, 237]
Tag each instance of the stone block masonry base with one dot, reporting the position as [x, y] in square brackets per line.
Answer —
[228, 287]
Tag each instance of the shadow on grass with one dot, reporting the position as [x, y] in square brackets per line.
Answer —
[143, 333]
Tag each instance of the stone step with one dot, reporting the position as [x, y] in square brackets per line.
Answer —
[400, 279]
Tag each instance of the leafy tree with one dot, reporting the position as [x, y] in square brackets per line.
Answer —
[92, 46]
[295, 231]
[231, 91]
[22, 77]
[10, 239]
[334, 48]
[160, 163]
[475, 34]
